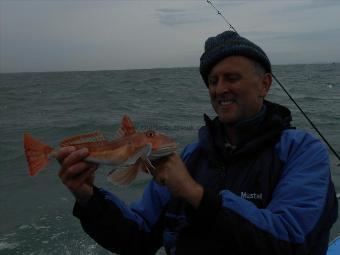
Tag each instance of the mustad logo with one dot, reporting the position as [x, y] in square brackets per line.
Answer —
[256, 196]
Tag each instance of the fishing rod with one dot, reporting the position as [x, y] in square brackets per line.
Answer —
[284, 89]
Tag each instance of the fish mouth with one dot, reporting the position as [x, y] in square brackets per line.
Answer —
[164, 150]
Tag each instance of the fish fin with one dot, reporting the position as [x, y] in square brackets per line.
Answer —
[145, 151]
[36, 154]
[148, 166]
[126, 176]
[126, 127]
[83, 138]
[162, 152]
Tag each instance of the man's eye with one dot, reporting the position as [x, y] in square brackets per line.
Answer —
[232, 77]
[212, 80]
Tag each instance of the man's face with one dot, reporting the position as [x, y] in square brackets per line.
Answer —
[237, 88]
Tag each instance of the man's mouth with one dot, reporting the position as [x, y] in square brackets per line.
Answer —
[225, 102]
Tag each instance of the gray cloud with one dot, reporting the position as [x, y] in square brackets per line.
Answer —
[174, 17]
[53, 35]
[303, 35]
[308, 5]
[169, 10]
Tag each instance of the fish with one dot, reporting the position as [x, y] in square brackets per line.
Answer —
[130, 151]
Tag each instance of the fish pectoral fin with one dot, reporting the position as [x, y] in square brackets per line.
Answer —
[144, 151]
[126, 175]
[83, 138]
[132, 166]
[163, 152]
[148, 166]
[126, 128]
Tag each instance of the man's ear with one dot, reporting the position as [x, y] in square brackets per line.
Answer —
[266, 82]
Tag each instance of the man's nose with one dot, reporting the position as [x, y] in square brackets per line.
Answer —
[222, 86]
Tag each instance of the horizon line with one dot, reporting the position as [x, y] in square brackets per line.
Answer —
[151, 68]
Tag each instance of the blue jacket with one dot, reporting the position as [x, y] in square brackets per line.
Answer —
[272, 194]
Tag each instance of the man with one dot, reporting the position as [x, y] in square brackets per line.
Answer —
[251, 185]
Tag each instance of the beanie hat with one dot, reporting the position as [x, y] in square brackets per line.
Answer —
[227, 44]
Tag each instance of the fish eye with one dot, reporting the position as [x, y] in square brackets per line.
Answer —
[150, 133]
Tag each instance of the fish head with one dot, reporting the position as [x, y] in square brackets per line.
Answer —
[162, 144]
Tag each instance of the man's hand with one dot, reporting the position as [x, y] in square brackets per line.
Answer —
[75, 174]
[173, 173]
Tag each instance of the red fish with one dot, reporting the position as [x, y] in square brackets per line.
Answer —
[131, 150]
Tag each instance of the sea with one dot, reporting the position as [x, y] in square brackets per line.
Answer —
[36, 212]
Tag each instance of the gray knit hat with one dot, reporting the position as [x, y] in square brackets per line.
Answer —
[228, 44]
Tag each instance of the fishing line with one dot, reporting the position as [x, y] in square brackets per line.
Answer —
[284, 89]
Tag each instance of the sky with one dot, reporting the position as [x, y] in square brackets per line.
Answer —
[83, 35]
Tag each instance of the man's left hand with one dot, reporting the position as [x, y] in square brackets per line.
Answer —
[173, 173]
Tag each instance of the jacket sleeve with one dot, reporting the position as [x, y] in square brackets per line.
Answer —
[303, 205]
[123, 229]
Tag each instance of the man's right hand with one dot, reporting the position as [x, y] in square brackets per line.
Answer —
[76, 174]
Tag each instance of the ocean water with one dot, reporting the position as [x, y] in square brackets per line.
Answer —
[36, 211]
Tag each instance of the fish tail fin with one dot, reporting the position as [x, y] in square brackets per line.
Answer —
[36, 154]
[126, 176]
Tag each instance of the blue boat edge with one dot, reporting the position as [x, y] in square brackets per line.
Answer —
[334, 247]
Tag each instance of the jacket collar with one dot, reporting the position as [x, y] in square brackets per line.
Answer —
[253, 133]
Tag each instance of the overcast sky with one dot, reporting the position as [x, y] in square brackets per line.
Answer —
[57, 35]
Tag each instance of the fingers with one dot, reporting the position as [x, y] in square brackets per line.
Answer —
[77, 175]
[72, 158]
[83, 178]
[171, 172]
[75, 157]
[160, 172]
[77, 169]
[158, 162]
[74, 171]
[64, 152]
[161, 181]
[160, 176]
